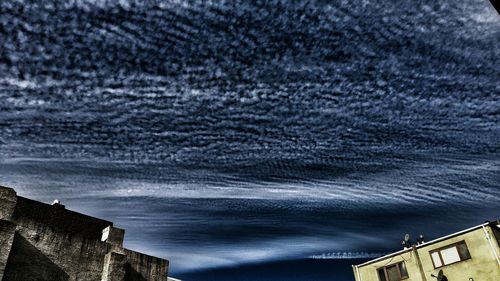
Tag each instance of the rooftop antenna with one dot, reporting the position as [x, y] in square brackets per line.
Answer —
[420, 239]
[57, 203]
[406, 242]
[440, 276]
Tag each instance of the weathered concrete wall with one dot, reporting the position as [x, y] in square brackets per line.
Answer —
[114, 236]
[114, 267]
[8, 201]
[28, 263]
[47, 242]
[69, 239]
[143, 267]
[7, 231]
[79, 257]
[31, 211]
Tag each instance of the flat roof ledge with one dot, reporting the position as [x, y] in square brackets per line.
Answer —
[425, 244]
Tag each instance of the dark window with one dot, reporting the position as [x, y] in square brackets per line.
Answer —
[402, 269]
[463, 251]
[496, 231]
[450, 254]
[393, 272]
[381, 274]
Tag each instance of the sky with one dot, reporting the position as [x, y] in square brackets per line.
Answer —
[256, 136]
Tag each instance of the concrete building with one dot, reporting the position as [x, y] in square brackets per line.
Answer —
[48, 242]
[469, 255]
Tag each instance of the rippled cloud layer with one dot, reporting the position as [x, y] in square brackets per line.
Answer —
[277, 129]
[243, 83]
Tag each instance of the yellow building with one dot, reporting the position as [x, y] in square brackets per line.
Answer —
[469, 255]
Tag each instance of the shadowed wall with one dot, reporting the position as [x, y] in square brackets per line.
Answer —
[48, 242]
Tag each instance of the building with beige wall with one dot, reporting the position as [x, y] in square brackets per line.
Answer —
[469, 255]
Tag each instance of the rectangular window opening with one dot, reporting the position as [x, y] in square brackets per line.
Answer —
[402, 270]
[381, 274]
[450, 254]
[393, 272]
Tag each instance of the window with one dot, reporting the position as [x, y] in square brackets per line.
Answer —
[496, 232]
[450, 254]
[394, 272]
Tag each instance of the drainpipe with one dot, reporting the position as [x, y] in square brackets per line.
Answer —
[419, 263]
[491, 245]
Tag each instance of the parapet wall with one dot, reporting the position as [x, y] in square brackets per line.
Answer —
[80, 258]
[59, 218]
[8, 200]
[48, 242]
[151, 268]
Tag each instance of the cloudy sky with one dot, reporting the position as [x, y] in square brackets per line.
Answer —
[226, 132]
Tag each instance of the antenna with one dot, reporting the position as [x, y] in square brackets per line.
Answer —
[406, 241]
[420, 239]
[58, 204]
[441, 276]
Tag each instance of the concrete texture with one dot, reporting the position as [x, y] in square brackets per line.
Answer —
[144, 267]
[8, 200]
[7, 231]
[115, 265]
[47, 242]
[481, 265]
[113, 236]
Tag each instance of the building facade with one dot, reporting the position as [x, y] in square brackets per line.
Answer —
[469, 255]
[48, 242]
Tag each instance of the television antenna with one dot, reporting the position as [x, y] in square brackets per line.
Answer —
[440, 276]
[406, 241]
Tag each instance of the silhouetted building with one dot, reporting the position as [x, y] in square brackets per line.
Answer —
[48, 242]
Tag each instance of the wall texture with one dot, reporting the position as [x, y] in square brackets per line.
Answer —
[47, 242]
[7, 231]
[481, 266]
[147, 267]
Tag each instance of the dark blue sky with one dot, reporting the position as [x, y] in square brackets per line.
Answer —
[220, 134]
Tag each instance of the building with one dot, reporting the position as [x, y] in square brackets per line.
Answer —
[48, 242]
[469, 255]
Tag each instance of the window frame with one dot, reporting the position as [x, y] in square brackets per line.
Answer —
[384, 268]
[452, 245]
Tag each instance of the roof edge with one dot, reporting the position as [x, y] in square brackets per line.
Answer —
[425, 244]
